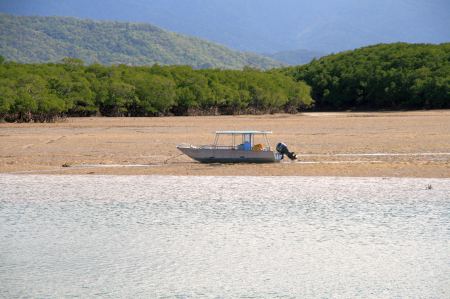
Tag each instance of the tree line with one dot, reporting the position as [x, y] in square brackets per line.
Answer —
[385, 76]
[45, 92]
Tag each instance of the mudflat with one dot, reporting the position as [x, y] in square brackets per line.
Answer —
[381, 144]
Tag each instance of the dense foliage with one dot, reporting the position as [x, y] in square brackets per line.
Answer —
[395, 76]
[43, 92]
[50, 39]
[386, 76]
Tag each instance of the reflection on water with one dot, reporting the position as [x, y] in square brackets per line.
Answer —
[224, 237]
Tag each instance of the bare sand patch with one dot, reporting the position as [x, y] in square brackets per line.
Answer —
[401, 144]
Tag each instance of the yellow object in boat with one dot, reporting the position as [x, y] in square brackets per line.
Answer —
[257, 147]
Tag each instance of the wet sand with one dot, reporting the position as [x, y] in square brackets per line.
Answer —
[388, 144]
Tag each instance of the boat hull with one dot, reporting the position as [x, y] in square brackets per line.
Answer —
[229, 155]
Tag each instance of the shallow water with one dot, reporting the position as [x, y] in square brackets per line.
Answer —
[224, 237]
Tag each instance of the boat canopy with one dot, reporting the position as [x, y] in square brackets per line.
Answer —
[248, 138]
[243, 132]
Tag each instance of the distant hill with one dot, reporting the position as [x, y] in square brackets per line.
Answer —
[268, 26]
[296, 57]
[49, 39]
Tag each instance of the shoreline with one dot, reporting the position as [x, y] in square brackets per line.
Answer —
[283, 169]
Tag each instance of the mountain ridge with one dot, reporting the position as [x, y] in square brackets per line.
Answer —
[49, 39]
[267, 26]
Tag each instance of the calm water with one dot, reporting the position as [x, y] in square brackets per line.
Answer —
[224, 237]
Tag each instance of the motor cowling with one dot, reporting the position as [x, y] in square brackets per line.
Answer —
[283, 150]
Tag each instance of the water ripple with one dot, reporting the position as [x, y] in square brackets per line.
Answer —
[224, 237]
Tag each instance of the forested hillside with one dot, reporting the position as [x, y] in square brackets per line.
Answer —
[44, 92]
[386, 76]
[49, 39]
[268, 26]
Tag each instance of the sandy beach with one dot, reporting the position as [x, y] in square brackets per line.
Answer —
[386, 144]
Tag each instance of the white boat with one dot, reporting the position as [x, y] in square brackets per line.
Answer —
[243, 149]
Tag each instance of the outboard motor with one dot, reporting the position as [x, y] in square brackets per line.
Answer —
[283, 150]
